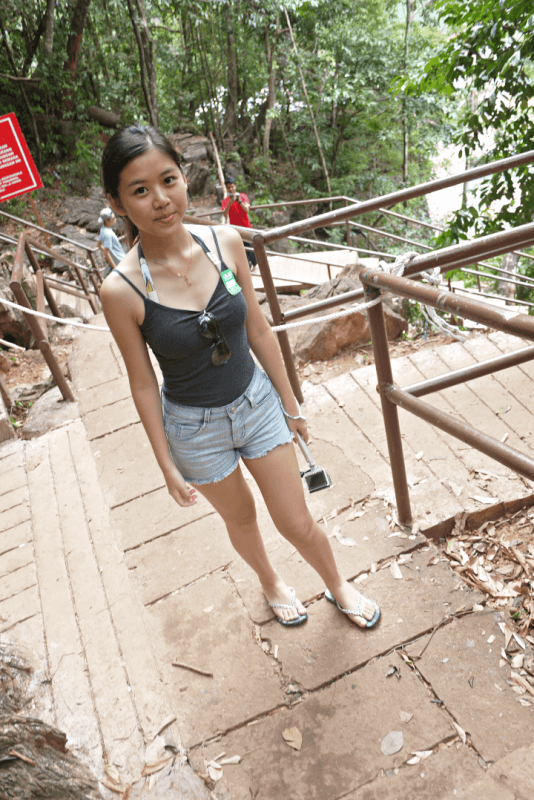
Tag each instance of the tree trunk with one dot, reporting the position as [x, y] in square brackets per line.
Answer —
[48, 38]
[104, 117]
[319, 147]
[38, 159]
[75, 37]
[145, 46]
[271, 96]
[509, 263]
[404, 98]
[232, 98]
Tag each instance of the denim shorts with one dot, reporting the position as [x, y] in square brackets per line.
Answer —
[207, 443]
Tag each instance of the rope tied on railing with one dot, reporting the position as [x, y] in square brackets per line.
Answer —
[397, 268]
[433, 276]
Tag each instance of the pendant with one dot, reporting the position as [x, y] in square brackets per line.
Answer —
[186, 279]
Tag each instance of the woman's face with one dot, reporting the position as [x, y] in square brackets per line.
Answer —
[152, 193]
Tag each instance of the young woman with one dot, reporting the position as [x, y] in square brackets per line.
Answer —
[188, 294]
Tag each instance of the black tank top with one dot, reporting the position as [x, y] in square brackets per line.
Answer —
[184, 355]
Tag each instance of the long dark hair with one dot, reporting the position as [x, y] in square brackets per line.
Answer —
[123, 147]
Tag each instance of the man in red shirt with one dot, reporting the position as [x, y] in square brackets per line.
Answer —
[235, 209]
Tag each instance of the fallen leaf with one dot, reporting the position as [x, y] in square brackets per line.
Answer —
[419, 455]
[392, 743]
[293, 738]
[395, 570]
[361, 578]
[433, 561]
[460, 731]
[486, 500]
[208, 609]
[422, 754]
[112, 772]
[155, 766]
[231, 760]
[405, 716]
[491, 639]
[115, 787]
[348, 541]
[215, 771]
[355, 515]
[414, 760]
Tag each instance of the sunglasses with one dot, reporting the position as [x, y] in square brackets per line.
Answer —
[210, 329]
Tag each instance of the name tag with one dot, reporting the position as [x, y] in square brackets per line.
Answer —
[230, 282]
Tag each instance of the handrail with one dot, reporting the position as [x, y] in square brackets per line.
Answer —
[37, 328]
[50, 233]
[391, 396]
[399, 196]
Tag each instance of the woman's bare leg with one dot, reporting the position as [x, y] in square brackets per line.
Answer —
[233, 499]
[278, 477]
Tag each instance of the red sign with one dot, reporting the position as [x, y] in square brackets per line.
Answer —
[18, 173]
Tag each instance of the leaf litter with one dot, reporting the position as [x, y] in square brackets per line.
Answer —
[498, 560]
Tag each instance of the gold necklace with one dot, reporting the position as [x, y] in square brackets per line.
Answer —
[184, 274]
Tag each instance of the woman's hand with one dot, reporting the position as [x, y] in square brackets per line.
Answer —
[298, 425]
[178, 489]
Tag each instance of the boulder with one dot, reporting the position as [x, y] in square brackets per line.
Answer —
[322, 340]
[197, 175]
[48, 412]
[84, 211]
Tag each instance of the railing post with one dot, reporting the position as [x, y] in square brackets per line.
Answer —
[347, 225]
[276, 313]
[42, 344]
[50, 299]
[379, 338]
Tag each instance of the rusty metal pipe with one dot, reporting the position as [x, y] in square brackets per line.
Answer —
[40, 300]
[470, 373]
[50, 233]
[277, 316]
[393, 198]
[43, 345]
[491, 316]
[50, 299]
[377, 325]
[465, 433]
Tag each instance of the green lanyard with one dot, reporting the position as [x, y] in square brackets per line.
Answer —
[232, 286]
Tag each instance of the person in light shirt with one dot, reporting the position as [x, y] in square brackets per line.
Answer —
[108, 241]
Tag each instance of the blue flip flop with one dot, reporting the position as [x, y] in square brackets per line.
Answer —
[289, 623]
[370, 622]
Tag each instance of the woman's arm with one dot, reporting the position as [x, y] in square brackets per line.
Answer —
[120, 311]
[263, 342]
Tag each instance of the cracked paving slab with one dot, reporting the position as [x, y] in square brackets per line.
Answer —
[488, 710]
[206, 626]
[410, 607]
[342, 728]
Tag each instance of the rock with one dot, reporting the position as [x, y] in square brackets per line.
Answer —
[84, 211]
[197, 175]
[13, 326]
[323, 340]
[48, 412]
[7, 430]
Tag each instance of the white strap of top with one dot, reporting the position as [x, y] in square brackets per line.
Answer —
[149, 283]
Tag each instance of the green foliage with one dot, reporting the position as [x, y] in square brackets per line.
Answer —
[488, 62]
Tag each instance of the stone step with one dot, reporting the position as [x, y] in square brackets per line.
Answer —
[67, 601]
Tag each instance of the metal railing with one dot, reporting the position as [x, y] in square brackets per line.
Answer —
[446, 259]
[38, 326]
[391, 396]
[93, 271]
